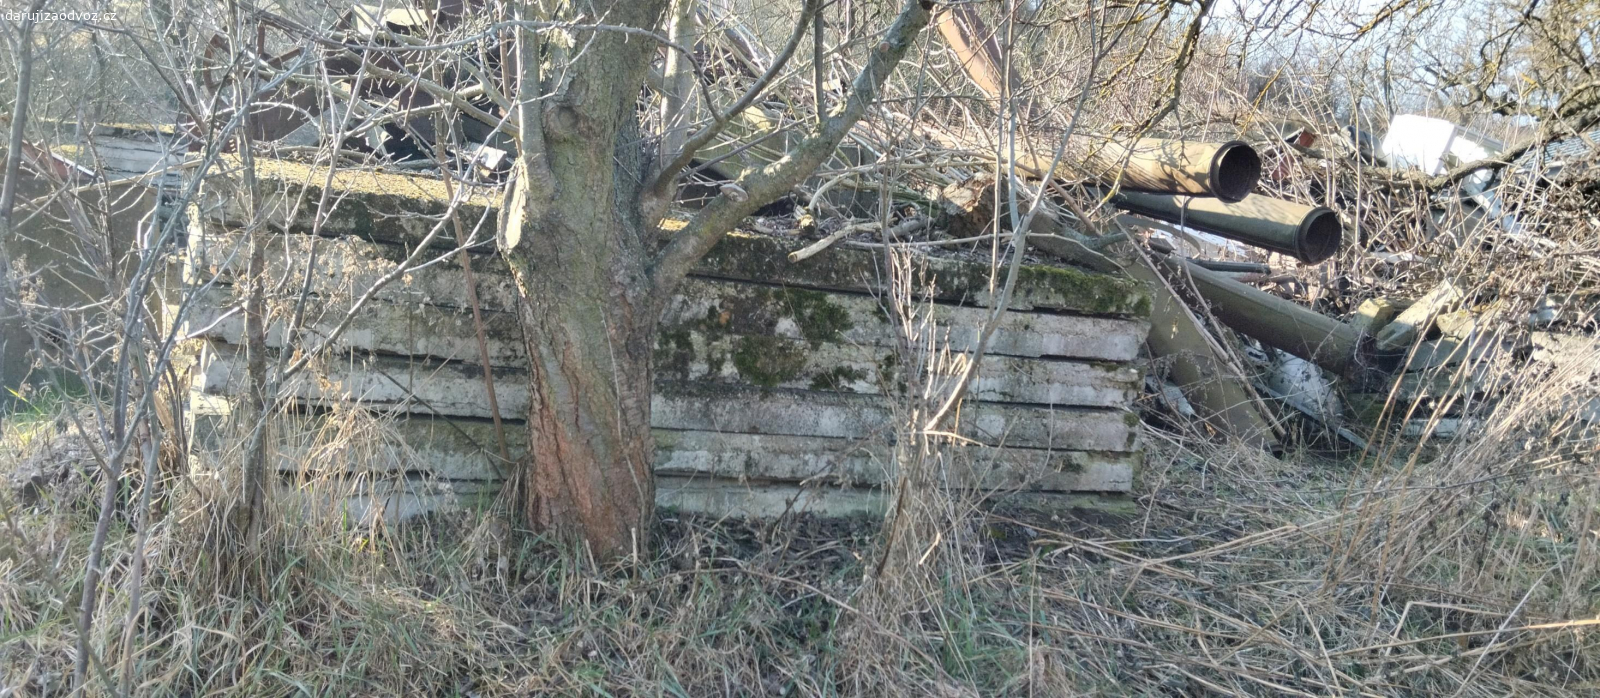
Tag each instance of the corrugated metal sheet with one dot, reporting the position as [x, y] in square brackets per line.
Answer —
[1555, 156]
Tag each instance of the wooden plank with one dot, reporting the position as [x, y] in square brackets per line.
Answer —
[346, 268]
[306, 446]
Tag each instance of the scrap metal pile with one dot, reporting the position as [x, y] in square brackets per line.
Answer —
[1235, 338]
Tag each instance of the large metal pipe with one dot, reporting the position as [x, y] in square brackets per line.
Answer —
[1234, 267]
[1279, 323]
[1227, 171]
[1308, 233]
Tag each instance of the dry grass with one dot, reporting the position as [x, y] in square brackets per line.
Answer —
[1461, 568]
[1473, 574]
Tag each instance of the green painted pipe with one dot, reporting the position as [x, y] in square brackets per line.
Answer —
[1308, 233]
[1279, 323]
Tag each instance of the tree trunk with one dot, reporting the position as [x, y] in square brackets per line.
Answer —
[593, 269]
[589, 335]
[589, 320]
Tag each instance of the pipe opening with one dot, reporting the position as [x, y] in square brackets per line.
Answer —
[1320, 236]
[1234, 171]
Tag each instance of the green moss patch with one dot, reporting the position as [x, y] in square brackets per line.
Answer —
[768, 361]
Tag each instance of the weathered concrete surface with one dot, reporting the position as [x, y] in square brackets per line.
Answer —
[697, 334]
[382, 327]
[456, 387]
[1416, 319]
[764, 259]
[357, 442]
[398, 499]
[362, 203]
[313, 447]
[74, 251]
[705, 495]
[717, 306]
[403, 221]
[847, 462]
[770, 374]
[345, 268]
[775, 362]
[770, 500]
[459, 392]
[805, 413]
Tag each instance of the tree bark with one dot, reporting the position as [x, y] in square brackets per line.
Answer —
[592, 267]
[589, 327]
[579, 249]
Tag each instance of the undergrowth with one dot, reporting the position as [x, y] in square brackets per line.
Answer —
[1241, 574]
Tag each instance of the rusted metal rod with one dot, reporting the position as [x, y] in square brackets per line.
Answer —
[1308, 233]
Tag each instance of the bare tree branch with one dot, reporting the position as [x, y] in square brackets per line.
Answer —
[660, 186]
[760, 187]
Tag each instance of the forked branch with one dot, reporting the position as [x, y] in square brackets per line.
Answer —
[757, 188]
[661, 186]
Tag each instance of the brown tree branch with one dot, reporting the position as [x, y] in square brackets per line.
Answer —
[1191, 40]
[660, 186]
[757, 188]
[677, 106]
